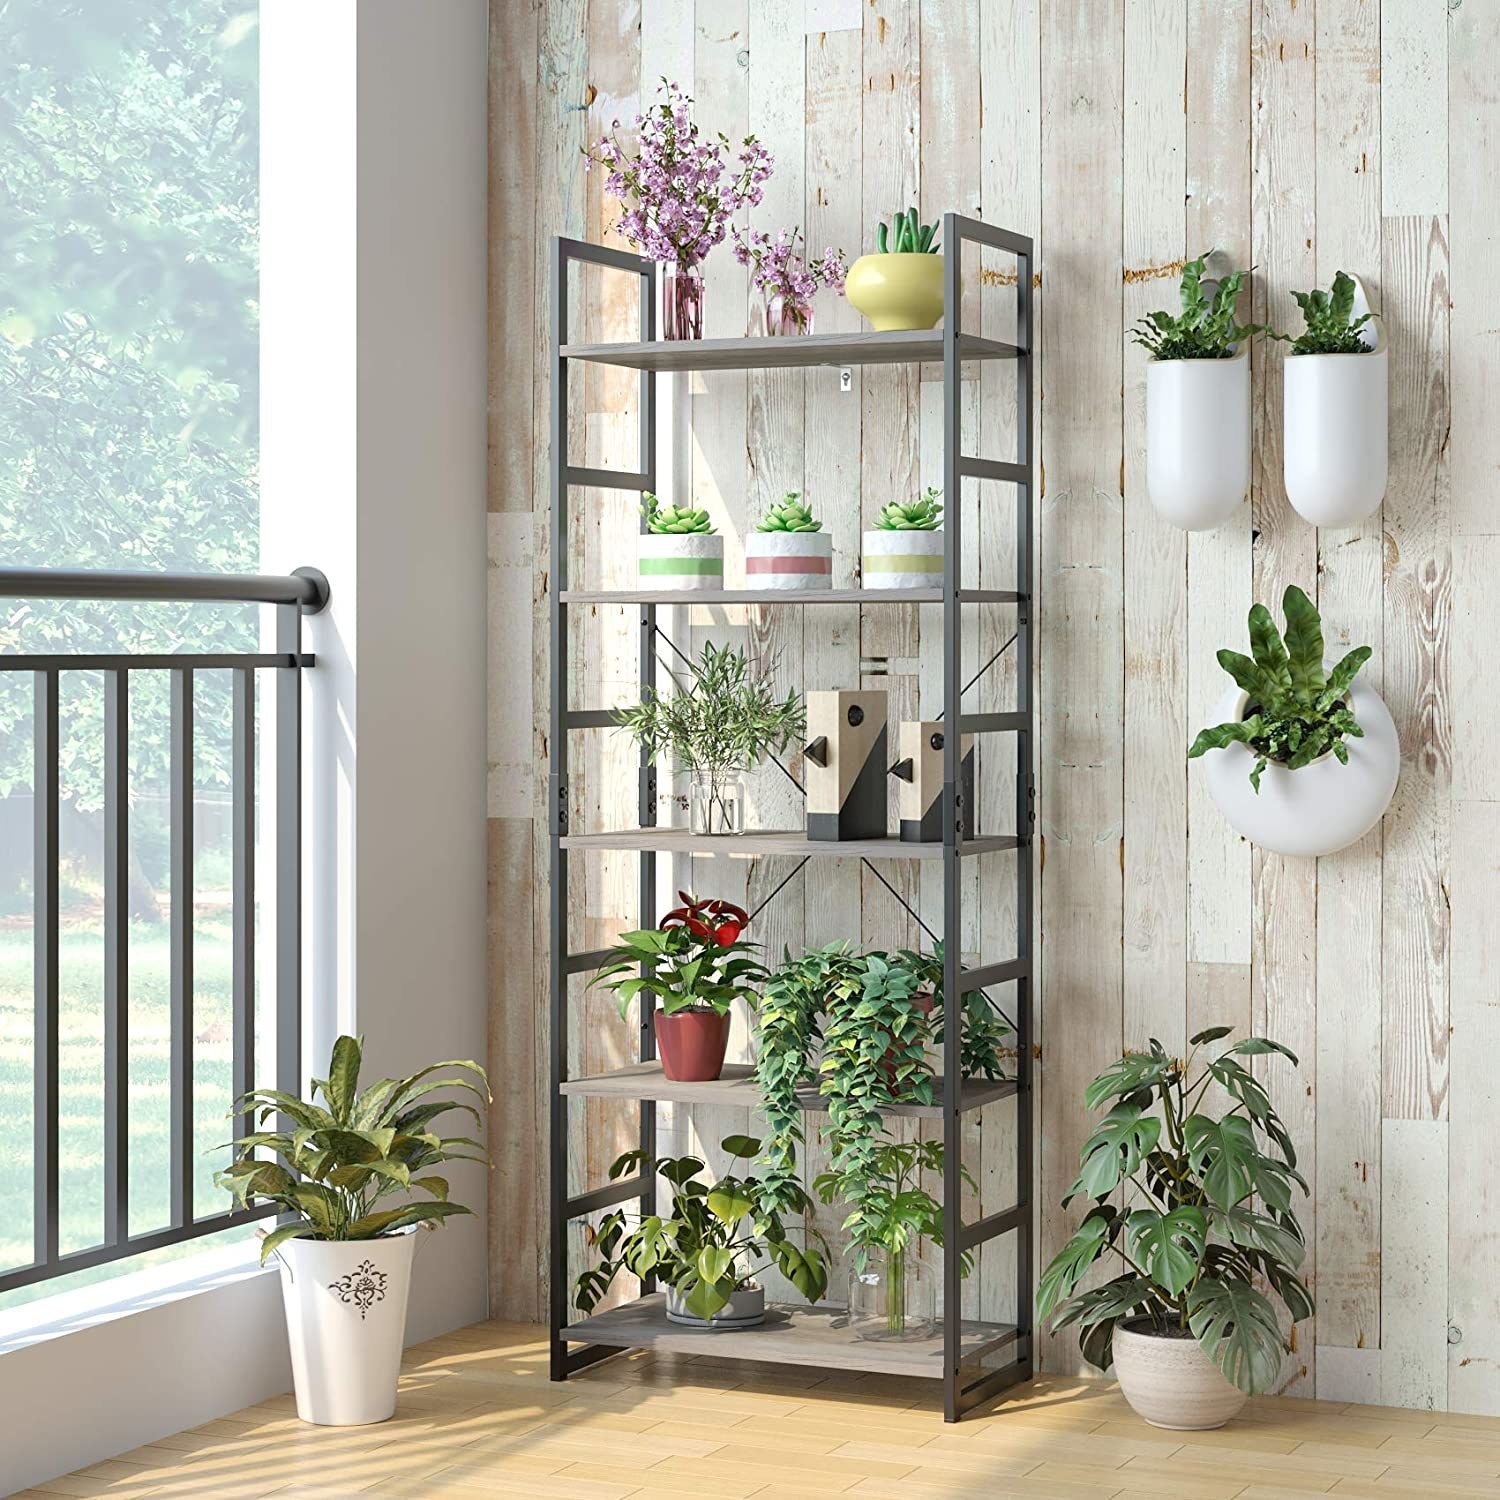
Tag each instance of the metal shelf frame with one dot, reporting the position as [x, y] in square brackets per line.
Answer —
[965, 1386]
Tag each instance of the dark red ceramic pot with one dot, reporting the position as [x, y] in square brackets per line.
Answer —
[691, 1044]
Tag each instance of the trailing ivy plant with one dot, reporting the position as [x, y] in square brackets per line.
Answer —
[673, 520]
[923, 514]
[1296, 712]
[1331, 326]
[344, 1157]
[721, 718]
[1206, 326]
[1207, 1212]
[980, 1047]
[714, 1241]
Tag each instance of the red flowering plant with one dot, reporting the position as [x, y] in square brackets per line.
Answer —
[694, 959]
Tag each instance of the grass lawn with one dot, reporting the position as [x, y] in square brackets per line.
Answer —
[81, 1087]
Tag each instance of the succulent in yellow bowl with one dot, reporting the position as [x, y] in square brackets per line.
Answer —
[901, 285]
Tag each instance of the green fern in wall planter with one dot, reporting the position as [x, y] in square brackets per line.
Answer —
[1205, 328]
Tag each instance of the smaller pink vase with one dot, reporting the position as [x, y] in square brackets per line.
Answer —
[682, 301]
[786, 316]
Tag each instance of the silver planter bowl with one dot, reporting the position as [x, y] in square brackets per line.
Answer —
[745, 1309]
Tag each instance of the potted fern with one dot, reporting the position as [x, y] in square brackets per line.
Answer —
[789, 549]
[1205, 1221]
[1305, 758]
[901, 285]
[347, 1171]
[1198, 401]
[679, 548]
[905, 549]
[1335, 407]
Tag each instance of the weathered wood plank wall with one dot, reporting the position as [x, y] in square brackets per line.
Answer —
[1124, 134]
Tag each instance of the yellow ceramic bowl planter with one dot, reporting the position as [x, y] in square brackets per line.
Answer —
[901, 286]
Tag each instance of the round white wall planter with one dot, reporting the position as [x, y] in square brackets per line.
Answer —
[693, 560]
[1321, 808]
[789, 560]
[1335, 424]
[1198, 438]
[902, 560]
[346, 1322]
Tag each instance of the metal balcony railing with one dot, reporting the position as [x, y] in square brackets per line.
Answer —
[292, 596]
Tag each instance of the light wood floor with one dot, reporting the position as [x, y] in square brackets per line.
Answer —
[478, 1417]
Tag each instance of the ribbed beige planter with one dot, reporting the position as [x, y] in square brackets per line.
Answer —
[1172, 1383]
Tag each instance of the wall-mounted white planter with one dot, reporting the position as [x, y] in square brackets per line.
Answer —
[692, 560]
[902, 560]
[1319, 808]
[1198, 438]
[789, 560]
[346, 1321]
[1335, 429]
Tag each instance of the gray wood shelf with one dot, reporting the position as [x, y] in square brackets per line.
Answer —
[920, 346]
[760, 845]
[736, 1089]
[791, 1335]
[784, 596]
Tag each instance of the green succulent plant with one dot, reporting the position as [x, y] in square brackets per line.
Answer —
[1296, 711]
[1331, 326]
[1207, 1215]
[924, 514]
[906, 235]
[1205, 328]
[672, 520]
[790, 514]
[345, 1156]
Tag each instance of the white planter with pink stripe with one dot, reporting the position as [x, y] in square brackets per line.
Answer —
[789, 560]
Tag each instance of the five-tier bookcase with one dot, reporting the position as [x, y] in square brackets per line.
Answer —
[973, 1360]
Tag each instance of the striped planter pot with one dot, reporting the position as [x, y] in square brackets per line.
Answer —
[902, 560]
[789, 560]
[691, 561]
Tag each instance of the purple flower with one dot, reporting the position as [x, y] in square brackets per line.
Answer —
[780, 267]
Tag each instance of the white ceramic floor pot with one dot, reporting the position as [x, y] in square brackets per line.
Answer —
[902, 560]
[346, 1323]
[799, 560]
[1334, 434]
[1198, 438]
[745, 1309]
[681, 560]
[1319, 808]
[1171, 1382]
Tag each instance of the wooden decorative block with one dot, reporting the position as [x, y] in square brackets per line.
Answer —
[844, 765]
[920, 772]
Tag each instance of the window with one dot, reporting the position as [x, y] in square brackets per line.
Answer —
[129, 368]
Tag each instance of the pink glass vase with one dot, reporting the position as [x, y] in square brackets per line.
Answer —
[682, 301]
[786, 316]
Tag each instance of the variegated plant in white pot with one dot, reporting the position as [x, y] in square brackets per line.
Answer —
[1197, 1206]
[1306, 758]
[345, 1259]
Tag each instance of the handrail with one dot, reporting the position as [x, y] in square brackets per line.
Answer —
[305, 587]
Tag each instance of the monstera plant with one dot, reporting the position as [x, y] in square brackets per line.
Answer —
[1195, 1203]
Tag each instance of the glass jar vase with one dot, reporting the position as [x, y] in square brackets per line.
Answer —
[682, 300]
[716, 802]
[894, 1297]
[787, 316]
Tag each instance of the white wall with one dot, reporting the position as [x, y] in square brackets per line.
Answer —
[373, 162]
